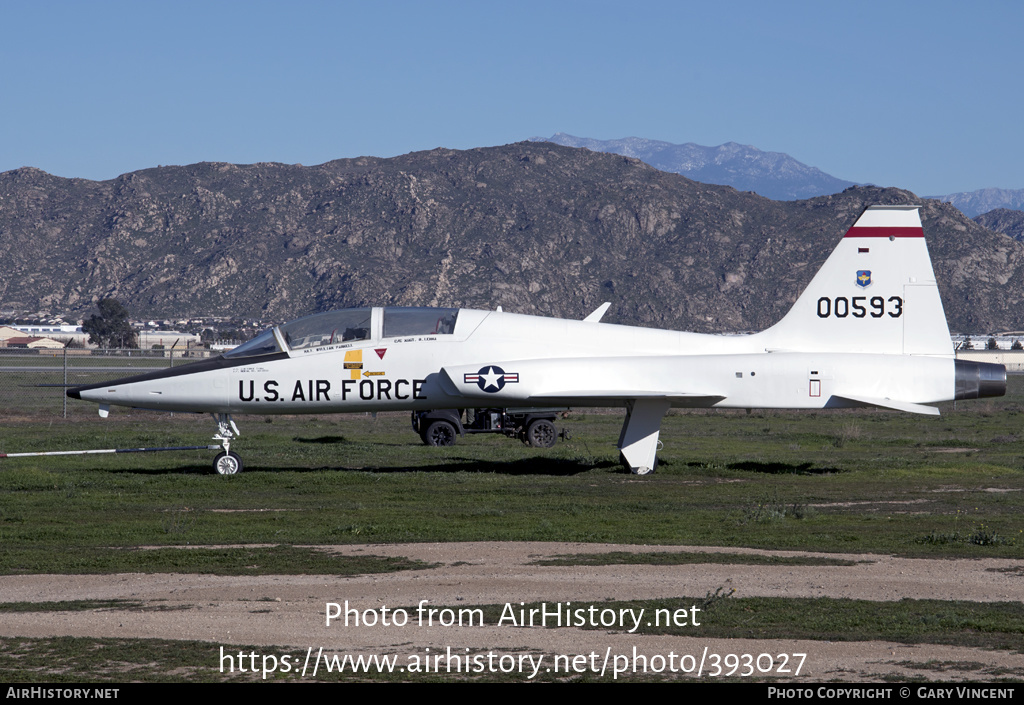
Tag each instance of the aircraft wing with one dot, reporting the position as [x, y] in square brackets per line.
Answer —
[889, 404]
[684, 381]
[630, 394]
[590, 379]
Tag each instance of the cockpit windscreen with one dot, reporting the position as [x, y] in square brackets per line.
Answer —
[262, 344]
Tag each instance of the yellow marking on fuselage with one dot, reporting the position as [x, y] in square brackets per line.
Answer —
[351, 358]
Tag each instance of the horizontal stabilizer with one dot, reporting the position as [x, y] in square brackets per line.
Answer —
[892, 404]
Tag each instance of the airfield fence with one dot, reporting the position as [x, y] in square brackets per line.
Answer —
[32, 383]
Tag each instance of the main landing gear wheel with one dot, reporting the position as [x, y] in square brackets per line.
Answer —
[541, 434]
[439, 433]
[227, 463]
[645, 470]
[642, 470]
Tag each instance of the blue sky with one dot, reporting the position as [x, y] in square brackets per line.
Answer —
[923, 95]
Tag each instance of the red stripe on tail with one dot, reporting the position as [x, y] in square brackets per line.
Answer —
[884, 232]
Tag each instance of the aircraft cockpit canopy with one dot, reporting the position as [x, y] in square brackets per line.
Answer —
[327, 328]
[410, 320]
[349, 325]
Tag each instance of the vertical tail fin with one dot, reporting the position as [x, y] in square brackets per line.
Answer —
[876, 293]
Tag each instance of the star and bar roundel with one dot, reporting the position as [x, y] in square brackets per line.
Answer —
[491, 378]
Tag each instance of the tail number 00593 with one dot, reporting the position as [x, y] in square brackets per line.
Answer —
[860, 307]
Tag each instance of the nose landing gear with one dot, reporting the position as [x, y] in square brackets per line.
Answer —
[226, 462]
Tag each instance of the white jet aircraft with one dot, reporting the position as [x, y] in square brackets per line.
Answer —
[869, 330]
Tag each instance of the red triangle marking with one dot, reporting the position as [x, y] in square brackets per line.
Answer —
[380, 352]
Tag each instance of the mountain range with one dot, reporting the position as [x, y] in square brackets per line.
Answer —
[974, 203]
[534, 227]
[771, 174]
[1003, 220]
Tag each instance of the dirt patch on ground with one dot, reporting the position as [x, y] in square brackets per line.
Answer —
[289, 611]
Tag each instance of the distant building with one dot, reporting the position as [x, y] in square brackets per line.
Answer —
[166, 338]
[60, 333]
[6, 333]
[1004, 341]
[34, 343]
[1012, 359]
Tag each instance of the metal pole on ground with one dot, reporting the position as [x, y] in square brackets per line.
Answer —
[65, 396]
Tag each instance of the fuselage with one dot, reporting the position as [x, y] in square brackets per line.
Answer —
[525, 360]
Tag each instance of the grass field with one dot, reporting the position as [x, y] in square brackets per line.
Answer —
[841, 481]
[850, 481]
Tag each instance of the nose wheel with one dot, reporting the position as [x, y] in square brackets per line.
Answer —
[227, 462]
